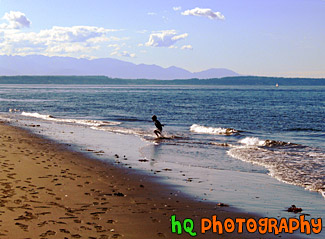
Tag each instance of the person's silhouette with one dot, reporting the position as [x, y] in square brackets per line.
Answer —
[159, 126]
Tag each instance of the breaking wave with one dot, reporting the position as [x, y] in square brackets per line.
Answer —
[253, 141]
[290, 163]
[210, 130]
[74, 121]
[121, 130]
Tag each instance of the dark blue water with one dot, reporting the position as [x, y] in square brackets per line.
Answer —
[209, 130]
[265, 109]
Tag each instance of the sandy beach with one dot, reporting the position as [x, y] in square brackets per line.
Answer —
[47, 191]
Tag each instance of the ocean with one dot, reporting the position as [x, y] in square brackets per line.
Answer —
[259, 148]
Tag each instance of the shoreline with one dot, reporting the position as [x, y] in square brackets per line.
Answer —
[49, 191]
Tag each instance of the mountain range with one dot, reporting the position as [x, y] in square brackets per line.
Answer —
[114, 68]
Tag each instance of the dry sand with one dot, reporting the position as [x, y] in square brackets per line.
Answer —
[47, 191]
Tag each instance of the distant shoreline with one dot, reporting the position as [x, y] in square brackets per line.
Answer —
[104, 80]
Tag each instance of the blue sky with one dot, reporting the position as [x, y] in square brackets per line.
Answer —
[251, 37]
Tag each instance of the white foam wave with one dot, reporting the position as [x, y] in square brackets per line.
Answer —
[301, 166]
[36, 115]
[146, 135]
[252, 141]
[210, 130]
[120, 130]
[74, 121]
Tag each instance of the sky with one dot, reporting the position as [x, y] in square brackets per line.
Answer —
[252, 37]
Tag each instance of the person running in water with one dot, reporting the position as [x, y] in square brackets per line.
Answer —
[159, 126]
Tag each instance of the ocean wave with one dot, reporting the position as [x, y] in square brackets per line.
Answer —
[210, 130]
[121, 130]
[302, 166]
[74, 121]
[253, 141]
[146, 135]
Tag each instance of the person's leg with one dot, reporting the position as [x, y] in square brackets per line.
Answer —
[158, 133]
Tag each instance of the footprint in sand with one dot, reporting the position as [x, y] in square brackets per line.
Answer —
[22, 226]
[48, 233]
[41, 224]
[28, 216]
[86, 228]
[75, 236]
[116, 236]
[18, 201]
[64, 230]
[57, 222]
[104, 209]
[100, 229]
[43, 213]
[161, 235]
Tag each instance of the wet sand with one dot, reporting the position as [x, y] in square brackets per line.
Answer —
[48, 191]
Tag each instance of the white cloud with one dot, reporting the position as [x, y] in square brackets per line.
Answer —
[75, 33]
[152, 13]
[70, 48]
[113, 38]
[75, 39]
[127, 54]
[187, 47]
[116, 46]
[204, 12]
[16, 20]
[165, 38]
[99, 39]
[88, 57]
[123, 53]
[177, 8]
